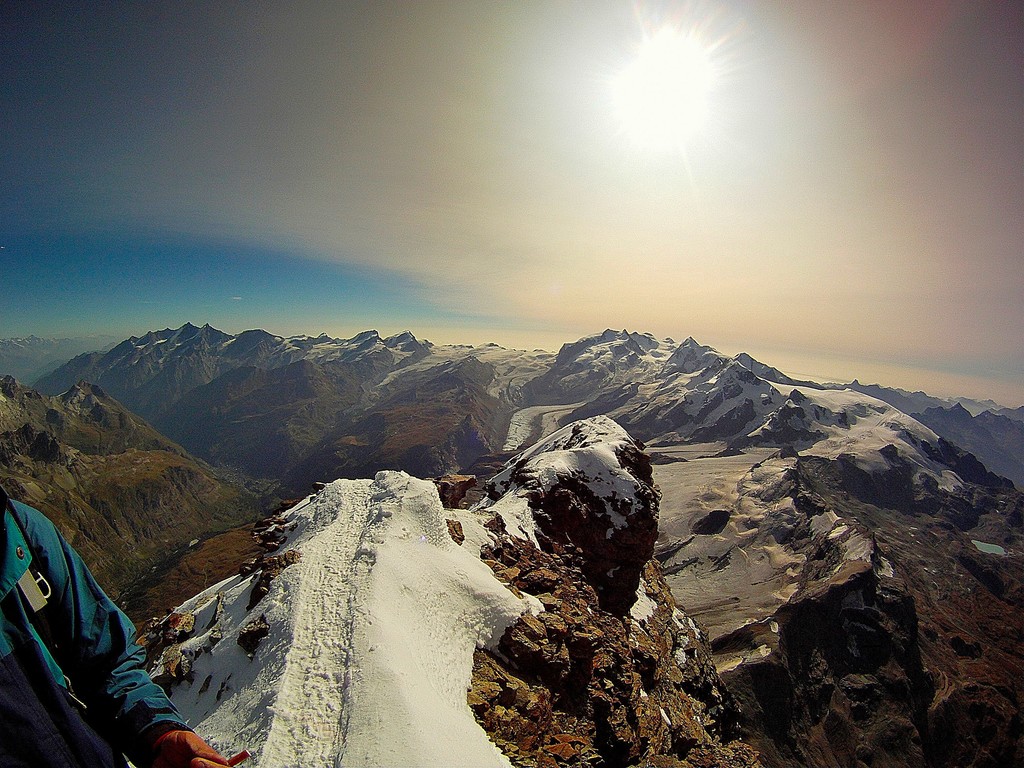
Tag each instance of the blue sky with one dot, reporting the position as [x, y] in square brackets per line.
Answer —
[850, 206]
[82, 284]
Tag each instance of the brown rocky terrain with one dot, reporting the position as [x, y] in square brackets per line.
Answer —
[125, 496]
[612, 672]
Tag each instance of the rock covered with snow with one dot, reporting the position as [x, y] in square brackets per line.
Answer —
[612, 672]
[595, 363]
[587, 490]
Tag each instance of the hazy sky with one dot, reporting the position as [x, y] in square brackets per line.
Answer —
[852, 206]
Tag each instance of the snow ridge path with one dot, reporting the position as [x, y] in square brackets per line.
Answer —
[311, 711]
[370, 638]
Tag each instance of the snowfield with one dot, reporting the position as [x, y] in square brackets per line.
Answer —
[370, 640]
[871, 425]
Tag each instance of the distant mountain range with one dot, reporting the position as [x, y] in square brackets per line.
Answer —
[299, 409]
[996, 439]
[30, 357]
[917, 402]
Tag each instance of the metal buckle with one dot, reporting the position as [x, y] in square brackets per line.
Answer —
[29, 586]
[71, 693]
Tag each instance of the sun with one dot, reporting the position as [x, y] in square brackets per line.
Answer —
[662, 96]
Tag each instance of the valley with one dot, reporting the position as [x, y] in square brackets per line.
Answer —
[706, 547]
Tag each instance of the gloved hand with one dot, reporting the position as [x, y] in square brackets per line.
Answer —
[184, 749]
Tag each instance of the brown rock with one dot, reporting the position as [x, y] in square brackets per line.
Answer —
[540, 580]
[250, 635]
[270, 570]
[561, 750]
[174, 667]
[584, 683]
[581, 686]
[181, 624]
[455, 531]
[453, 489]
[495, 524]
[158, 635]
[271, 532]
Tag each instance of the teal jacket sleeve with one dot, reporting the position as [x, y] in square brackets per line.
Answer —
[96, 647]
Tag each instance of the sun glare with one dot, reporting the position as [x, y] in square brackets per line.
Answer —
[662, 96]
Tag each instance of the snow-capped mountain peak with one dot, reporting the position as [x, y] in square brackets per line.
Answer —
[690, 357]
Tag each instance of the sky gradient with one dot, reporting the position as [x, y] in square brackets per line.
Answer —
[852, 207]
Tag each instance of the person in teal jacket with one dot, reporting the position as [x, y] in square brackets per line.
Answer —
[74, 692]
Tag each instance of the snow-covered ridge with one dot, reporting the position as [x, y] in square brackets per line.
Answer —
[855, 425]
[269, 349]
[369, 638]
[691, 393]
[621, 357]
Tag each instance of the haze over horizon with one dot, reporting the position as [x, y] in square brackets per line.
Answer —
[848, 203]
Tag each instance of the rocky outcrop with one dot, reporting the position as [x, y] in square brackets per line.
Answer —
[610, 672]
[270, 568]
[163, 638]
[997, 440]
[270, 532]
[843, 682]
[253, 633]
[578, 685]
[590, 493]
[453, 489]
[455, 531]
[34, 445]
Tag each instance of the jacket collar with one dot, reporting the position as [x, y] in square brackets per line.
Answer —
[15, 554]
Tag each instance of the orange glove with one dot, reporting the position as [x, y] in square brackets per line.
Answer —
[184, 749]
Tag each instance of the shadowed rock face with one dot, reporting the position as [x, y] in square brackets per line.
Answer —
[997, 440]
[453, 489]
[577, 685]
[845, 683]
[604, 511]
[612, 559]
